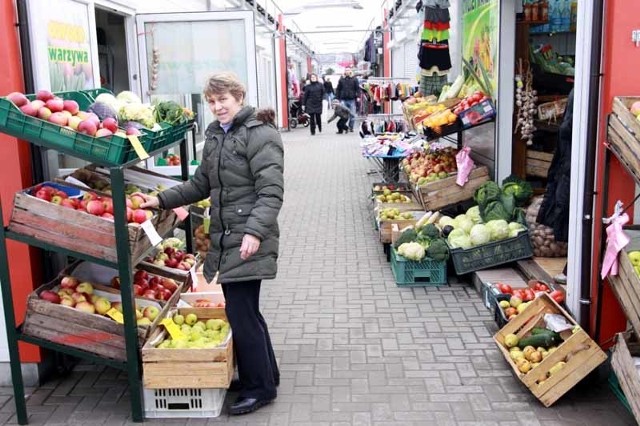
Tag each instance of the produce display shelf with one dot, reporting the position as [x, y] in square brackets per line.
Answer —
[79, 353]
[11, 235]
[450, 130]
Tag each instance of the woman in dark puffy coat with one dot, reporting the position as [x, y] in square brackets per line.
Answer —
[242, 173]
[312, 102]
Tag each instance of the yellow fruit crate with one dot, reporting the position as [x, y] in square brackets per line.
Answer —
[579, 352]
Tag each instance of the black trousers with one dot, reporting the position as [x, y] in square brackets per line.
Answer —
[257, 367]
[342, 125]
[316, 119]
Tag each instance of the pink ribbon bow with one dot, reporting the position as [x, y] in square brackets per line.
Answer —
[616, 241]
[465, 165]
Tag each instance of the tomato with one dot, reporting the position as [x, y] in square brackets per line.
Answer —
[505, 288]
[557, 295]
[518, 293]
[529, 294]
[543, 287]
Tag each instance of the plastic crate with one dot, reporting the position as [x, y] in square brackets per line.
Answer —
[409, 273]
[183, 403]
[109, 150]
[492, 254]
[94, 93]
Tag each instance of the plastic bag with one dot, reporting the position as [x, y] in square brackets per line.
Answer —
[465, 165]
[557, 322]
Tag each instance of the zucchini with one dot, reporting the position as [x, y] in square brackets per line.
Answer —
[539, 330]
[544, 340]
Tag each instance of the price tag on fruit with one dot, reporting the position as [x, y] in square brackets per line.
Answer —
[181, 212]
[116, 315]
[137, 147]
[151, 232]
[172, 328]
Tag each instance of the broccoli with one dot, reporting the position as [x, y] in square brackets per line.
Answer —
[430, 231]
[407, 236]
[438, 250]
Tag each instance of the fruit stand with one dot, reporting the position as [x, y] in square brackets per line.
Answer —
[115, 240]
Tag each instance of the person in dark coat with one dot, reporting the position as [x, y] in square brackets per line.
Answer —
[347, 91]
[554, 211]
[328, 92]
[343, 114]
[312, 102]
[242, 173]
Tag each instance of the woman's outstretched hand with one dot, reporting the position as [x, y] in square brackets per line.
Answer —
[149, 200]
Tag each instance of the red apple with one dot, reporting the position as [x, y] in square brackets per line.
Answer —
[43, 195]
[74, 122]
[71, 106]
[44, 95]
[93, 117]
[110, 123]
[169, 250]
[95, 207]
[88, 127]
[69, 202]
[44, 113]
[137, 290]
[115, 282]
[171, 263]
[67, 301]
[108, 205]
[140, 275]
[143, 283]
[18, 99]
[139, 216]
[61, 193]
[69, 282]
[86, 307]
[149, 294]
[90, 196]
[79, 297]
[101, 133]
[55, 104]
[165, 294]
[133, 131]
[169, 284]
[136, 201]
[50, 296]
[59, 118]
[107, 216]
[129, 214]
[30, 110]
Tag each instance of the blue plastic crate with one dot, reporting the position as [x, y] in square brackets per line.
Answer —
[409, 273]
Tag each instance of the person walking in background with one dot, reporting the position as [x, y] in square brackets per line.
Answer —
[242, 172]
[347, 91]
[343, 114]
[312, 102]
[328, 91]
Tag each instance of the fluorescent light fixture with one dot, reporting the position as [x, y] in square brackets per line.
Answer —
[323, 5]
[335, 26]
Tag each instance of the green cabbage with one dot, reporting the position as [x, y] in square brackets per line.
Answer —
[499, 229]
[520, 189]
[459, 239]
[494, 211]
[486, 193]
[480, 234]
[515, 228]
[444, 221]
[474, 214]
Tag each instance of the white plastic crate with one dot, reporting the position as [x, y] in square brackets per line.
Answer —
[178, 403]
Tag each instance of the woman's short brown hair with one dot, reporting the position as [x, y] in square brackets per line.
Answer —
[221, 83]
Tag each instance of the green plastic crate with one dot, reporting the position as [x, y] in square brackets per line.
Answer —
[408, 273]
[491, 254]
[614, 384]
[93, 93]
[110, 150]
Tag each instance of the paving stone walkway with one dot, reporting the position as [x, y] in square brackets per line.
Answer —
[353, 348]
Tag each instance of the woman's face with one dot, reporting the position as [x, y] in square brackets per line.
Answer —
[314, 78]
[224, 107]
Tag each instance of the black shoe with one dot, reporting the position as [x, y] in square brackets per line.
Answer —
[339, 133]
[247, 405]
[235, 386]
[351, 130]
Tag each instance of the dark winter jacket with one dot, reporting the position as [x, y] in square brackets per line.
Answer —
[242, 172]
[554, 211]
[340, 111]
[313, 96]
[348, 88]
[328, 87]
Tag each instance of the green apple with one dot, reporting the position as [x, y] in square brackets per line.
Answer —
[178, 319]
[634, 257]
[191, 319]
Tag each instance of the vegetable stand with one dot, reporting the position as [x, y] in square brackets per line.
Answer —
[123, 263]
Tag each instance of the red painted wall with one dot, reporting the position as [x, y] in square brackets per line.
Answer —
[16, 174]
[620, 57]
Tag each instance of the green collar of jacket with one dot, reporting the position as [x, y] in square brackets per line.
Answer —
[246, 116]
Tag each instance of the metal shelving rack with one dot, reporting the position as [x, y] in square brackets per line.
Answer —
[124, 266]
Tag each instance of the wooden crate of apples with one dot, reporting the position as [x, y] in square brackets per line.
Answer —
[171, 260]
[194, 349]
[87, 316]
[547, 350]
[83, 221]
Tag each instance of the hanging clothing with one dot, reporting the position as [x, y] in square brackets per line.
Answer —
[435, 14]
[434, 70]
[434, 54]
[432, 85]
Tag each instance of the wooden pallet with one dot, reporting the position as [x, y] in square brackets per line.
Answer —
[445, 192]
[624, 133]
[626, 287]
[581, 354]
[81, 231]
[90, 332]
[623, 365]
[538, 163]
[188, 368]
